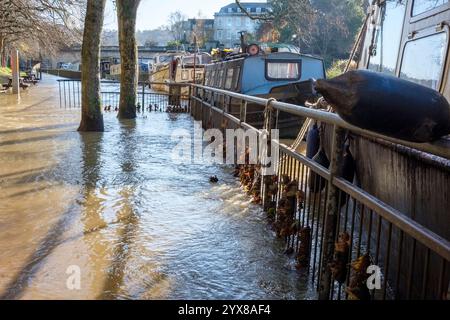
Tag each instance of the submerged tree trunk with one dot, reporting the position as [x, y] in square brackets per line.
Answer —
[91, 115]
[126, 16]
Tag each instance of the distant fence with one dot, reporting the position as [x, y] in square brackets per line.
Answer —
[69, 74]
[174, 95]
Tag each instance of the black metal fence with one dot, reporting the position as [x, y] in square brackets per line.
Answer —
[176, 95]
[339, 230]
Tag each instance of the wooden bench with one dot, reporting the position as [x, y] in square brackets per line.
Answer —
[8, 85]
[22, 84]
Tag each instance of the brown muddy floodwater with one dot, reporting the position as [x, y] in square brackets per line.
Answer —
[113, 204]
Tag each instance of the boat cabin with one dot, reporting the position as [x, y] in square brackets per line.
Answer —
[260, 75]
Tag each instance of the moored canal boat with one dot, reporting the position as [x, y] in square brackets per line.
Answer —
[285, 76]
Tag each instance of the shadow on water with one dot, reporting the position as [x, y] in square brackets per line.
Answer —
[43, 128]
[29, 140]
[126, 230]
[90, 148]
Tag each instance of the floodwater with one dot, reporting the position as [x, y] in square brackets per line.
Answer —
[114, 209]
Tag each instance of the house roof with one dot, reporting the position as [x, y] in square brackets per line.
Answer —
[247, 5]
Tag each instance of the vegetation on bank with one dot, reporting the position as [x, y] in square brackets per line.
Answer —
[6, 73]
[339, 67]
[326, 28]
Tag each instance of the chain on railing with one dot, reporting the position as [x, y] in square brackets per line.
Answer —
[338, 229]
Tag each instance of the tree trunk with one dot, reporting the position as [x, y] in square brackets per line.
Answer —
[2, 52]
[126, 17]
[91, 115]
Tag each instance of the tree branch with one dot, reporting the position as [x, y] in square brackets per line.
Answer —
[258, 17]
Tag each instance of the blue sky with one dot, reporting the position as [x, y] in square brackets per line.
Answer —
[154, 13]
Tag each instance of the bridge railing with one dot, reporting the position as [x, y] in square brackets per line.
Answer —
[339, 223]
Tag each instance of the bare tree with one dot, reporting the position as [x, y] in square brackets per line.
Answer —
[126, 16]
[264, 17]
[91, 115]
[176, 28]
[39, 25]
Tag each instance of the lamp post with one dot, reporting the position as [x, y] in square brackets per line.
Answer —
[15, 71]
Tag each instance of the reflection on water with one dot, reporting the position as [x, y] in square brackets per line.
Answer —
[113, 203]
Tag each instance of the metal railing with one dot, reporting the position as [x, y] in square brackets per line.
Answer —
[174, 95]
[413, 260]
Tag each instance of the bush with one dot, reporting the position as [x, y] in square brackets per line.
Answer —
[338, 68]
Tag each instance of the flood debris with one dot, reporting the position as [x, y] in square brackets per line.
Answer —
[291, 197]
[341, 254]
[357, 289]
[177, 109]
[304, 250]
[213, 179]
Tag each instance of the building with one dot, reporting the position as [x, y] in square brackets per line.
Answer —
[230, 20]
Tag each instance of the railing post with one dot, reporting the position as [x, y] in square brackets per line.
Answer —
[143, 96]
[331, 213]
[190, 100]
[266, 179]
[59, 87]
[243, 109]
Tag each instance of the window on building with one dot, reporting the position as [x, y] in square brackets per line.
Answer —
[421, 6]
[388, 37]
[423, 60]
[258, 10]
[238, 21]
[228, 34]
[282, 70]
[229, 79]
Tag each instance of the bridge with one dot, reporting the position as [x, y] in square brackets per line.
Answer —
[73, 54]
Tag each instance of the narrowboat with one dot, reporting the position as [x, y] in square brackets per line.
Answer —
[285, 76]
[179, 68]
[161, 70]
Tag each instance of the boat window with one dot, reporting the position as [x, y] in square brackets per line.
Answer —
[236, 78]
[213, 78]
[207, 77]
[386, 46]
[421, 6]
[229, 80]
[190, 60]
[185, 75]
[282, 70]
[423, 60]
[219, 79]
